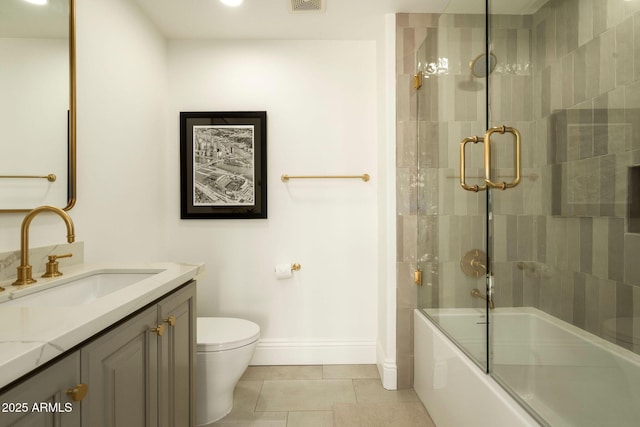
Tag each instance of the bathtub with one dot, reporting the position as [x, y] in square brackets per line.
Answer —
[556, 374]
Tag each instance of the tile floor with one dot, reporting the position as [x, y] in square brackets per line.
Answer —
[319, 396]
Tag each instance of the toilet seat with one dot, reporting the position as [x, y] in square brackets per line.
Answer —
[225, 333]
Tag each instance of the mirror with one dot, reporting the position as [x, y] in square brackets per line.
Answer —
[37, 104]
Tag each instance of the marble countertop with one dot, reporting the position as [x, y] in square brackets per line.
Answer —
[32, 336]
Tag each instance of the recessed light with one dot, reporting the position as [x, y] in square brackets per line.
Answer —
[232, 3]
[39, 2]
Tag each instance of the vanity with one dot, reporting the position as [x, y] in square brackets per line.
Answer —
[100, 345]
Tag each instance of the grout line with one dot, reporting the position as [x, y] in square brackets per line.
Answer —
[255, 405]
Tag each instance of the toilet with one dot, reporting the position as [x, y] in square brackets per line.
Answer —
[225, 347]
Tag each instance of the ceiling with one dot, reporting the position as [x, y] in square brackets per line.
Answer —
[255, 19]
[21, 19]
[271, 19]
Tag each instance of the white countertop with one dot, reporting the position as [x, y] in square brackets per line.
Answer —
[32, 336]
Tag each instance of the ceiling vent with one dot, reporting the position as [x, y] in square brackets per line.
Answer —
[307, 5]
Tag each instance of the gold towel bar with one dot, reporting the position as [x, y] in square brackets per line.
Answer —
[51, 177]
[286, 177]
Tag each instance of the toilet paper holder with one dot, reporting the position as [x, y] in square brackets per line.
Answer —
[285, 270]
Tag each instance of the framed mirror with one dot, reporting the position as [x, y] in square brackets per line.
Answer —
[37, 104]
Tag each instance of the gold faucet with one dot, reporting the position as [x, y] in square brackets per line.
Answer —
[477, 294]
[24, 270]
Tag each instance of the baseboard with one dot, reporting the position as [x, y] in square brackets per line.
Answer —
[388, 370]
[280, 352]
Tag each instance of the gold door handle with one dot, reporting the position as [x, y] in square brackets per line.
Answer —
[171, 320]
[487, 157]
[78, 392]
[159, 330]
[463, 182]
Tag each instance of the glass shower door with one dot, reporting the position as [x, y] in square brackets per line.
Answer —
[514, 207]
[528, 182]
[563, 242]
[452, 223]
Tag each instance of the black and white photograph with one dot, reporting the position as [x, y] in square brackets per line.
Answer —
[223, 165]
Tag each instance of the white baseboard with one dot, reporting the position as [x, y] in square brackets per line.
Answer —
[280, 352]
[388, 370]
[389, 375]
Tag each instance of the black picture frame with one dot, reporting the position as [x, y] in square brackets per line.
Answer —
[223, 165]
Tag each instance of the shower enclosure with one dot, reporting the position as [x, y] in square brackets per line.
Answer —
[528, 116]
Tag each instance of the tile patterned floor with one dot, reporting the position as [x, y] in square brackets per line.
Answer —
[319, 396]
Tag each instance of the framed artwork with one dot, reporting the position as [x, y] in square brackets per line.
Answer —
[223, 165]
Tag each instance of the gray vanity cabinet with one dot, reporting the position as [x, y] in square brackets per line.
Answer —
[178, 359]
[42, 399]
[121, 370]
[141, 372]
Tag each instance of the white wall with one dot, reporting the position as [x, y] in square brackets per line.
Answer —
[321, 103]
[122, 133]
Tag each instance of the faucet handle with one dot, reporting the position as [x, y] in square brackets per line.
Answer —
[52, 265]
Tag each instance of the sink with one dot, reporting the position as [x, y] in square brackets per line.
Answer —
[81, 291]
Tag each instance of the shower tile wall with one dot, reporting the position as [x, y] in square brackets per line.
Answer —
[576, 257]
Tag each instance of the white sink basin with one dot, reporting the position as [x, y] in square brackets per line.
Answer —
[82, 290]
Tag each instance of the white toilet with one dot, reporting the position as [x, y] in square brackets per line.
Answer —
[225, 347]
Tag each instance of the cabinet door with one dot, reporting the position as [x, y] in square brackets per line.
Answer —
[177, 358]
[121, 371]
[42, 400]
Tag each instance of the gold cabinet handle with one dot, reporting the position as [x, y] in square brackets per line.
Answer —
[171, 320]
[159, 330]
[463, 182]
[487, 157]
[78, 392]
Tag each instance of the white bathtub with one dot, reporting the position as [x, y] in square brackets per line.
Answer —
[567, 376]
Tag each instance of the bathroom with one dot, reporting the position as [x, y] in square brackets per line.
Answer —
[132, 83]
[342, 306]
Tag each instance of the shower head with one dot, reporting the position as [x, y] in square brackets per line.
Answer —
[478, 65]
[306, 6]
